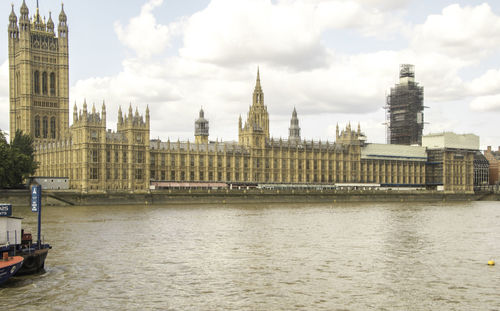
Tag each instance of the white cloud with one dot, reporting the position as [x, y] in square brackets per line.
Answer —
[486, 103]
[230, 32]
[248, 31]
[487, 84]
[469, 32]
[224, 43]
[143, 34]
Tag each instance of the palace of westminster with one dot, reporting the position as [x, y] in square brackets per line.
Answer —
[95, 159]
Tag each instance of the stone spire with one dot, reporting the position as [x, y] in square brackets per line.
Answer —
[25, 11]
[62, 16]
[50, 24]
[13, 16]
[258, 94]
[75, 113]
[103, 111]
[63, 23]
[13, 29]
[120, 115]
[294, 130]
[24, 18]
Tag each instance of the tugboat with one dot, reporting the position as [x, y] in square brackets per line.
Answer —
[9, 266]
[19, 243]
[33, 254]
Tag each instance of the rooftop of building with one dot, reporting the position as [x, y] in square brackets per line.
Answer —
[393, 152]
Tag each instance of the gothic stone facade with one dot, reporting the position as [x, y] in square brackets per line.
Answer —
[99, 160]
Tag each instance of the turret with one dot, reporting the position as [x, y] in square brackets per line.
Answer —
[85, 109]
[13, 28]
[75, 114]
[24, 18]
[120, 115]
[50, 24]
[294, 130]
[63, 24]
[201, 129]
[147, 115]
[103, 112]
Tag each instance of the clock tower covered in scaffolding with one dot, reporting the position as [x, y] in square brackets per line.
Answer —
[405, 109]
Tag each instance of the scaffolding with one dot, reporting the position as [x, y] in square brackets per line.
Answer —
[404, 109]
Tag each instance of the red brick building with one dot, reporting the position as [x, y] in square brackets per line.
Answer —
[494, 159]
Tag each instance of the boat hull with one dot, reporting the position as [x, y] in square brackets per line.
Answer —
[10, 267]
[34, 261]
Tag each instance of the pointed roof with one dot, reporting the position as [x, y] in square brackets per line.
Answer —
[12, 16]
[62, 16]
[24, 10]
[50, 23]
[258, 88]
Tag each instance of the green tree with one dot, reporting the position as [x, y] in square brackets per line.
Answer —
[17, 160]
[5, 161]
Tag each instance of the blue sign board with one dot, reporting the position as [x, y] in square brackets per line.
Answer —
[5, 210]
[36, 198]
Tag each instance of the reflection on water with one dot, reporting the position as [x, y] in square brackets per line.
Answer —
[265, 257]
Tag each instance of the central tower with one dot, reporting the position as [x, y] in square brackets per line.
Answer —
[38, 75]
[255, 133]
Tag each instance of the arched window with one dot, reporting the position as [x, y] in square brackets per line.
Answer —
[36, 82]
[37, 126]
[52, 84]
[44, 83]
[53, 127]
[45, 127]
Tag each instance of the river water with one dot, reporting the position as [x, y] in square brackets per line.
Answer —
[410, 256]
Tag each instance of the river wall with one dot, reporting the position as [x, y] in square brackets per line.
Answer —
[166, 197]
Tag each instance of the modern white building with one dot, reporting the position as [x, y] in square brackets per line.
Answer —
[451, 140]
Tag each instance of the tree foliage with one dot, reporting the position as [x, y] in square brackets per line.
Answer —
[17, 160]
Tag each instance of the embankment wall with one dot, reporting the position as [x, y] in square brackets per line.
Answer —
[61, 198]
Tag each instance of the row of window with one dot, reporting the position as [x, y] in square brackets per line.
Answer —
[46, 81]
[94, 174]
[42, 127]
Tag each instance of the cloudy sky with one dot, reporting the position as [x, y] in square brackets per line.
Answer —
[334, 60]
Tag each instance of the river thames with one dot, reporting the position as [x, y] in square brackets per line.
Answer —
[410, 256]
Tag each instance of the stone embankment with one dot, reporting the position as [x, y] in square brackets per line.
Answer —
[166, 197]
